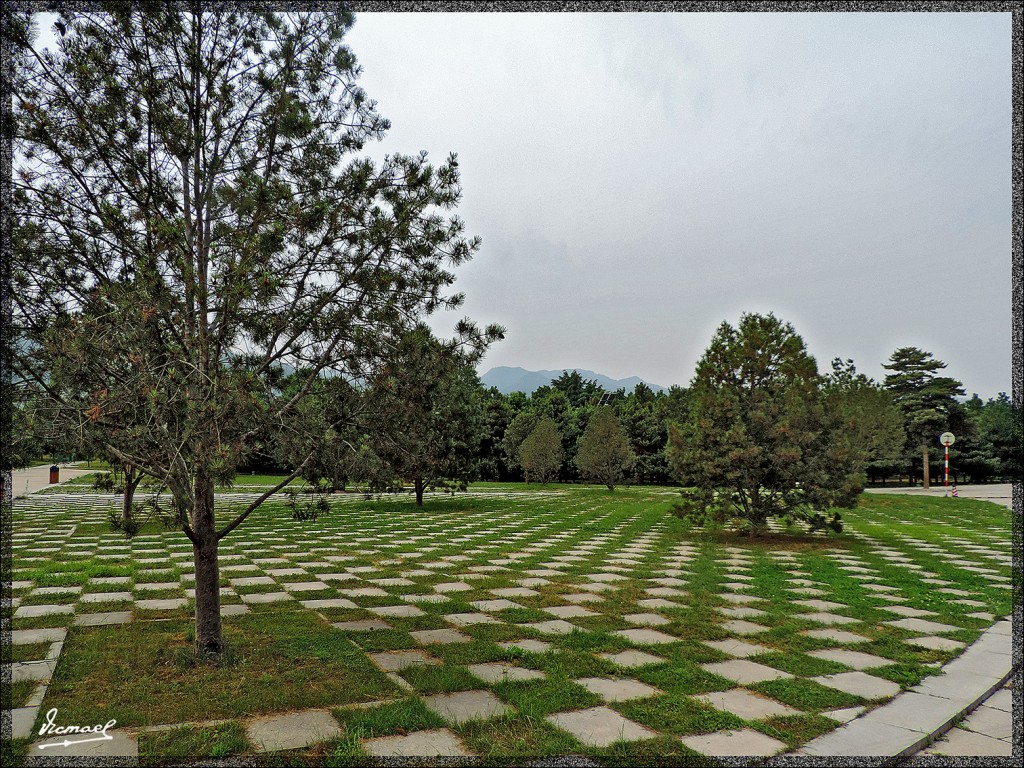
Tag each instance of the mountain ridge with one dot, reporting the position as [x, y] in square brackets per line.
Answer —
[513, 379]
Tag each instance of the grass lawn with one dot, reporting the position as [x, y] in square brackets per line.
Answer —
[497, 565]
[145, 674]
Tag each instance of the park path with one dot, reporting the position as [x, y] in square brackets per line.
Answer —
[998, 493]
[988, 730]
[33, 479]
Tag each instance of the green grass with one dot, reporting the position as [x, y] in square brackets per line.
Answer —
[17, 694]
[146, 673]
[192, 742]
[395, 718]
[31, 652]
[283, 657]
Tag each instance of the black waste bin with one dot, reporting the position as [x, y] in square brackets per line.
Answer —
[54, 474]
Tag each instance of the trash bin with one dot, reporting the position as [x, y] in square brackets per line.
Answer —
[54, 474]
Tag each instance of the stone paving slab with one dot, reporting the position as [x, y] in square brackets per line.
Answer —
[120, 745]
[962, 742]
[746, 705]
[631, 659]
[744, 743]
[503, 673]
[439, 637]
[533, 646]
[917, 716]
[737, 648]
[396, 661]
[462, 707]
[854, 659]
[435, 743]
[621, 689]
[292, 731]
[745, 672]
[646, 636]
[600, 726]
[860, 684]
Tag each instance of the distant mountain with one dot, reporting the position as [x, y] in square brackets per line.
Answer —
[509, 380]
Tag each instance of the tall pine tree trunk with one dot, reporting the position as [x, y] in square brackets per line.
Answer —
[926, 468]
[204, 552]
[419, 491]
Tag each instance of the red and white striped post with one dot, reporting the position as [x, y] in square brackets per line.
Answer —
[947, 439]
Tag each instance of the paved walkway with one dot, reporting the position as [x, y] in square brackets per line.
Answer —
[912, 719]
[32, 479]
[998, 493]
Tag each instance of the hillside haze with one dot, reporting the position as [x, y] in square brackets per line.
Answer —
[509, 380]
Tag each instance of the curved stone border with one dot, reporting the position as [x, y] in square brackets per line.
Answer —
[920, 715]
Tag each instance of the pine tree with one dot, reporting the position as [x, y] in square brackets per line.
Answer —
[188, 220]
[759, 442]
[926, 399]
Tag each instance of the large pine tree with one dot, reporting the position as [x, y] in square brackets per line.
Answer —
[926, 399]
[190, 218]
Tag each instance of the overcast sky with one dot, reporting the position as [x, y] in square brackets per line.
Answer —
[639, 178]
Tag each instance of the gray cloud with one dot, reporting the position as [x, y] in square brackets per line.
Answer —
[638, 178]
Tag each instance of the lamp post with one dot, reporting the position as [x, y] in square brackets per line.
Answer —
[947, 439]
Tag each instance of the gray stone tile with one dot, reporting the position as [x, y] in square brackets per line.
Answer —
[34, 611]
[924, 626]
[494, 605]
[599, 726]
[853, 659]
[646, 619]
[744, 743]
[465, 706]
[304, 586]
[631, 659]
[961, 742]
[167, 604]
[266, 597]
[746, 705]
[32, 636]
[533, 646]
[859, 684]
[292, 731]
[328, 602]
[745, 672]
[620, 689]
[418, 744]
[468, 619]
[497, 672]
[102, 619]
[553, 627]
[439, 637]
[569, 611]
[120, 745]
[362, 625]
[583, 597]
[737, 648]
[836, 636]
[906, 610]
[935, 643]
[397, 611]
[396, 661]
[645, 636]
[990, 722]
[741, 627]
[827, 618]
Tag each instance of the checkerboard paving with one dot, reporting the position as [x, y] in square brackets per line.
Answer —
[608, 616]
